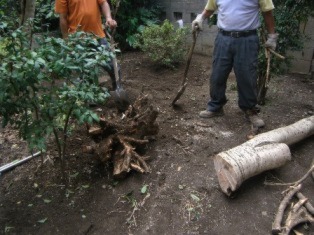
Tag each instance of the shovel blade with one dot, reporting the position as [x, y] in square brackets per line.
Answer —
[121, 99]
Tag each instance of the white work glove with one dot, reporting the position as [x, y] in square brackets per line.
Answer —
[271, 41]
[197, 24]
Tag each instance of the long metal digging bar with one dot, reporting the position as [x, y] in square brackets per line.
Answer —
[17, 163]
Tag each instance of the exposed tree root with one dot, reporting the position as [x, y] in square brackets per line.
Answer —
[121, 140]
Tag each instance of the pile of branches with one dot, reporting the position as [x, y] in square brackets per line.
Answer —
[123, 139]
[298, 211]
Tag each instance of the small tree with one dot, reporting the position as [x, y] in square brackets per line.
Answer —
[44, 91]
[163, 43]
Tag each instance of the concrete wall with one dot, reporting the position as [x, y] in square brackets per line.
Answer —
[303, 61]
[189, 10]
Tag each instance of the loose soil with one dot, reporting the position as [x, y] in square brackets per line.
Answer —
[183, 195]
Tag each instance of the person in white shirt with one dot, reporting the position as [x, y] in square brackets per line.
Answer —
[236, 47]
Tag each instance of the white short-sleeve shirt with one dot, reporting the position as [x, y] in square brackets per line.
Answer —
[239, 15]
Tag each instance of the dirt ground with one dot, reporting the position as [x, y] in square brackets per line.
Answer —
[183, 195]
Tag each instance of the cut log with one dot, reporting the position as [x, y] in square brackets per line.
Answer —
[289, 134]
[240, 163]
[264, 152]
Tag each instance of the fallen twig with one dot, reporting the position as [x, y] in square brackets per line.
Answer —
[137, 207]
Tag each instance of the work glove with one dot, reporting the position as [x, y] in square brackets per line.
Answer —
[271, 41]
[197, 24]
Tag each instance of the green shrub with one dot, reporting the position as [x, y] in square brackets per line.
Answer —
[46, 91]
[288, 17]
[163, 43]
[132, 16]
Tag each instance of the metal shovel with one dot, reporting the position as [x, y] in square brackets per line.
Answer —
[119, 94]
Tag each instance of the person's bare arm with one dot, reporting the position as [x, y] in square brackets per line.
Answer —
[105, 9]
[269, 21]
[272, 36]
[207, 14]
[64, 25]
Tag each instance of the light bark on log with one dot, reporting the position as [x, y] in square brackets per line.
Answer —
[264, 152]
[240, 163]
[289, 134]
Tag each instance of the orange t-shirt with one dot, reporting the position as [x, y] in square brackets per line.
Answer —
[82, 15]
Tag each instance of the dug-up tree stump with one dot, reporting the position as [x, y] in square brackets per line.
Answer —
[264, 152]
[123, 139]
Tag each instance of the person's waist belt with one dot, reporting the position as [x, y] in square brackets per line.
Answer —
[238, 34]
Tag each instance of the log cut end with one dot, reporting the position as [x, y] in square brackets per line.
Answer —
[242, 162]
[227, 177]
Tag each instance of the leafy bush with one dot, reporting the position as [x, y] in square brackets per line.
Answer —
[43, 91]
[163, 43]
[132, 16]
[46, 17]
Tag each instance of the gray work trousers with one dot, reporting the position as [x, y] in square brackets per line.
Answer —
[241, 54]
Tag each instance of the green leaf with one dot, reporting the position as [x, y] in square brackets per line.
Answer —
[190, 209]
[68, 192]
[74, 175]
[47, 201]
[95, 117]
[8, 229]
[144, 189]
[42, 221]
[115, 183]
[195, 198]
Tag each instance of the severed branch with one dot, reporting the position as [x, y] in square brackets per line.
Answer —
[276, 228]
[301, 212]
[307, 204]
[297, 215]
[276, 54]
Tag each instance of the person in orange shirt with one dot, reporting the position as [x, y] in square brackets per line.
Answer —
[85, 15]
